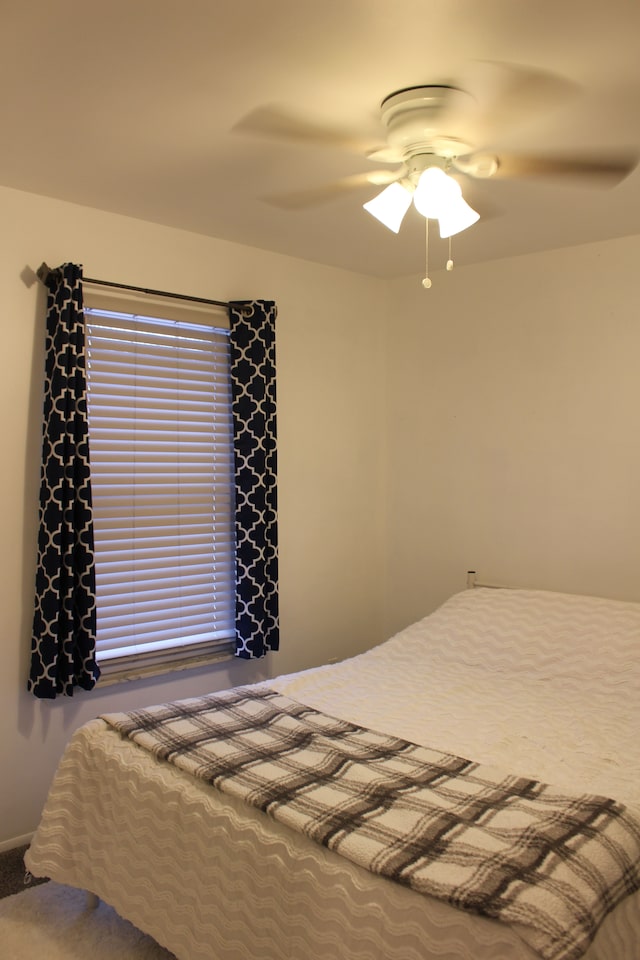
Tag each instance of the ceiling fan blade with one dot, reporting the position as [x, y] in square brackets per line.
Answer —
[386, 155]
[275, 124]
[595, 170]
[300, 199]
[509, 96]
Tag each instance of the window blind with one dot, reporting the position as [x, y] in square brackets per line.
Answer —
[161, 448]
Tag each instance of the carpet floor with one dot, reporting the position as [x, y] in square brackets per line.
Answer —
[12, 872]
[53, 921]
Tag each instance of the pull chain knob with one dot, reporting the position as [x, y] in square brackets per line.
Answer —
[426, 283]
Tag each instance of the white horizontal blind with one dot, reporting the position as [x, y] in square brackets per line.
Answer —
[161, 447]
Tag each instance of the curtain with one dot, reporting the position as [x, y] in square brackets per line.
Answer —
[253, 386]
[63, 654]
[63, 651]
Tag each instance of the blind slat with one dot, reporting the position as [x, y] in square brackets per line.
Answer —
[162, 481]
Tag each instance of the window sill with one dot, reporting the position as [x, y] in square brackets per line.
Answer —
[114, 671]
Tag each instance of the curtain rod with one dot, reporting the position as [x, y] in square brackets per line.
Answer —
[44, 271]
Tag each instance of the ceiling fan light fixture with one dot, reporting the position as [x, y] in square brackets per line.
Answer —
[390, 206]
[439, 197]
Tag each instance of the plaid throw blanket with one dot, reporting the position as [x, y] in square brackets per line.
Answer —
[506, 847]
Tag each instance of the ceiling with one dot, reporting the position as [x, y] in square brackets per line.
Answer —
[133, 106]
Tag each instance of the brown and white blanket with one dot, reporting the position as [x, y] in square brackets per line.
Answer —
[506, 847]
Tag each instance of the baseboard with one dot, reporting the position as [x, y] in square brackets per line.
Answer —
[16, 842]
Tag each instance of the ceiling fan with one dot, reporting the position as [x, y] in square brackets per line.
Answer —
[439, 135]
[445, 126]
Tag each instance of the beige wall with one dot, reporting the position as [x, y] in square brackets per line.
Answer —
[514, 427]
[331, 402]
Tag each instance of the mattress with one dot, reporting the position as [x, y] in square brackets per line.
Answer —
[544, 685]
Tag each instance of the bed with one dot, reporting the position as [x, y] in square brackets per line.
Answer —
[528, 685]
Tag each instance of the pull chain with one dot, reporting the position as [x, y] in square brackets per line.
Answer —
[449, 261]
[426, 283]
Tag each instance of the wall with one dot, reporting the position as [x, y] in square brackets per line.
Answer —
[330, 405]
[514, 428]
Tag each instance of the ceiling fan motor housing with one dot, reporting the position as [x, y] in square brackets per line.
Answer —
[416, 118]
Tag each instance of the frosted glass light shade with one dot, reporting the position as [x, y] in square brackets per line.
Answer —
[439, 197]
[435, 192]
[390, 206]
[457, 217]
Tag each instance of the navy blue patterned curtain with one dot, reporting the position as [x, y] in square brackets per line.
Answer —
[253, 384]
[64, 624]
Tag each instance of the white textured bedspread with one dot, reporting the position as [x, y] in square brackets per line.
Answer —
[542, 685]
[509, 848]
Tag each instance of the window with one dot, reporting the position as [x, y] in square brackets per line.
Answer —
[161, 449]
